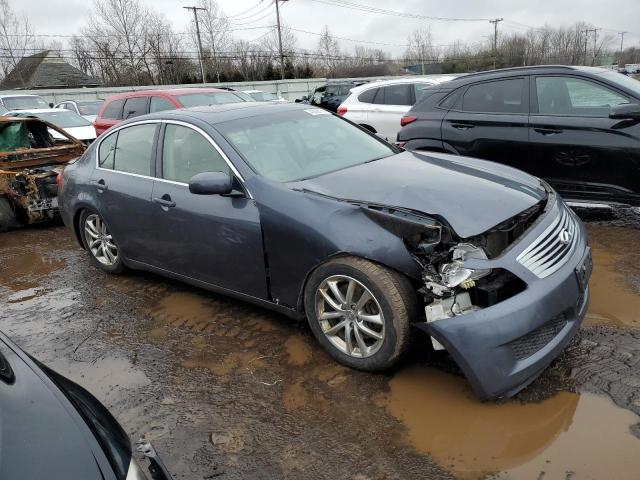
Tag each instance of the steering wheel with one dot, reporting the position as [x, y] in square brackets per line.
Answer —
[324, 151]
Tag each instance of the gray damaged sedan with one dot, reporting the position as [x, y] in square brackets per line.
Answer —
[295, 209]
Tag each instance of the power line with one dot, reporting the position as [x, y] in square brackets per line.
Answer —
[259, 12]
[384, 11]
[245, 11]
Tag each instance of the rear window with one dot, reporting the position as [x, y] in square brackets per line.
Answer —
[206, 99]
[113, 110]
[64, 118]
[89, 108]
[24, 102]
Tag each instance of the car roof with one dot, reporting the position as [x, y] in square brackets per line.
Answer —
[527, 70]
[39, 110]
[216, 114]
[427, 79]
[18, 95]
[170, 92]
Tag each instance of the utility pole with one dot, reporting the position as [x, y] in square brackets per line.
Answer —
[595, 44]
[195, 15]
[495, 39]
[280, 37]
[586, 39]
[621, 46]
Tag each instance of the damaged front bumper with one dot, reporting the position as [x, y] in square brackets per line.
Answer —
[504, 347]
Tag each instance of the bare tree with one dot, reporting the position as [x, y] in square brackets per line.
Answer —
[328, 53]
[216, 35]
[421, 48]
[16, 38]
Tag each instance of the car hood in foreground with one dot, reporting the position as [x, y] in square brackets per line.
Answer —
[471, 195]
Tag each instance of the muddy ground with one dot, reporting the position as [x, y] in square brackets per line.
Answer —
[227, 390]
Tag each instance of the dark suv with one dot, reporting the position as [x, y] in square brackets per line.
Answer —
[576, 127]
[331, 95]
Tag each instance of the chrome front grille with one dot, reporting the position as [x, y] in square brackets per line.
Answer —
[551, 250]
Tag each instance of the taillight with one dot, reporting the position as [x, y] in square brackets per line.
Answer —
[59, 180]
[342, 110]
[407, 119]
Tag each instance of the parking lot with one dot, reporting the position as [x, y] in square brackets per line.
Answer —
[227, 390]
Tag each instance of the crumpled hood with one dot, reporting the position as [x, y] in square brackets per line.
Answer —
[472, 195]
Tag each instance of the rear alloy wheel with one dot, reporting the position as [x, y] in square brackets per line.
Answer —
[102, 247]
[360, 312]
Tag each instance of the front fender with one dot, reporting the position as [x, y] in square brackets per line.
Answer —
[303, 230]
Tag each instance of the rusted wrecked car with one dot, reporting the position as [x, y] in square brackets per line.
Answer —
[30, 160]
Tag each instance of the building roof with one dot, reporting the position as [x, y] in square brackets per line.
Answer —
[46, 70]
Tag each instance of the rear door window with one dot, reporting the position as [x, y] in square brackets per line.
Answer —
[134, 107]
[501, 96]
[575, 97]
[159, 104]
[398, 94]
[134, 148]
[368, 96]
[186, 153]
[113, 110]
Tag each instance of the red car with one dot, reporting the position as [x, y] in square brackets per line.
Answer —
[123, 106]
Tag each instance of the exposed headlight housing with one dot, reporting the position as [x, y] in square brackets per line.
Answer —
[453, 274]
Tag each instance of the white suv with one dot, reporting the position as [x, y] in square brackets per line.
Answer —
[379, 106]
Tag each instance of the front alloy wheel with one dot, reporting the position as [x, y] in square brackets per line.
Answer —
[360, 311]
[350, 316]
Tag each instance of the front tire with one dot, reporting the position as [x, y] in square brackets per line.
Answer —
[100, 244]
[360, 312]
[8, 219]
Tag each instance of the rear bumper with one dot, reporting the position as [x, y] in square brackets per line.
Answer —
[503, 348]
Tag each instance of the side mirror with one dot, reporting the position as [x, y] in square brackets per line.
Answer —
[50, 104]
[625, 111]
[211, 183]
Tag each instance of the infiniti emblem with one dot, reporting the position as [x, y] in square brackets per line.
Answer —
[564, 236]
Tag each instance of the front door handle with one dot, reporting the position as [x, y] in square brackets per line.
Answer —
[462, 125]
[165, 201]
[547, 130]
[99, 184]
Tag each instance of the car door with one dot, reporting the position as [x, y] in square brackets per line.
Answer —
[123, 184]
[490, 121]
[576, 146]
[211, 238]
[390, 104]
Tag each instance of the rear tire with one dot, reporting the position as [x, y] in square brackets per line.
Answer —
[347, 323]
[8, 220]
[100, 244]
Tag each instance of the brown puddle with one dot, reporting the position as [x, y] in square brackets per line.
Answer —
[298, 350]
[585, 434]
[612, 301]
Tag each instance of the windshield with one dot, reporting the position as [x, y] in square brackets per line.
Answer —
[263, 96]
[89, 108]
[296, 145]
[24, 102]
[63, 118]
[623, 81]
[203, 99]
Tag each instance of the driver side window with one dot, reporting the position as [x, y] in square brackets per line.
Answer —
[186, 153]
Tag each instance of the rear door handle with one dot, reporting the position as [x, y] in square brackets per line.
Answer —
[462, 125]
[547, 130]
[165, 201]
[99, 184]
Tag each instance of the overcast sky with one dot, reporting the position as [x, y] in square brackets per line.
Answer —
[68, 16]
